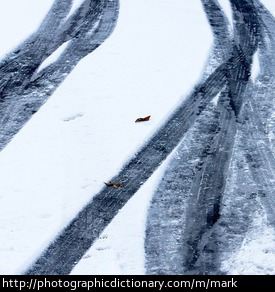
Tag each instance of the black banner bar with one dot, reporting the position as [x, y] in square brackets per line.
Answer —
[157, 283]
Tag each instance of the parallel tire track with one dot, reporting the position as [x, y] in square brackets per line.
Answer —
[198, 253]
[22, 90]
[71, 244]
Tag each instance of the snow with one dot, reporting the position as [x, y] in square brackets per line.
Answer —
[114, 252]
[86, 131]
[254, 256]
[54, 56]
[255, 70]
[226, 7]
[75, 5]
[18, 20]
[270, 5]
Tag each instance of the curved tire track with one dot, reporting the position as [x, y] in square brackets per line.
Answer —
[71, 244]
[194, 247]
[230, 77]
[22, 90]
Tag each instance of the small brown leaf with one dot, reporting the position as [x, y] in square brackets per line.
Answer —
[143, 119]
[114, 184]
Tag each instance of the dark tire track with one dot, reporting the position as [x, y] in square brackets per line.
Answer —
[206, 193]
[68, 248]
[179, 203]
[230, 78]
[71, 244]
[250, 183]
[23, 90]
[195, 244]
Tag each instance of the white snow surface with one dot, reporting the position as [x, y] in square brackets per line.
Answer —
[270, 5]
[53, 57]
[86, 131]
[18, 20]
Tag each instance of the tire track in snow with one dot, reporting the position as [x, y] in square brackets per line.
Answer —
[250, 187]
[195, 245]
[23, 90]
[71, 244]
[254, 147]
[203, 244]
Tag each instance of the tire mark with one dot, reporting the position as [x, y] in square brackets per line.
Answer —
[206, 193]
[201, 252]
[71, 244]
[23, 90]
[77, 237]
[198, 254]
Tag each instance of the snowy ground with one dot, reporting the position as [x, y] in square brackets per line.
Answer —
[86, 131]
